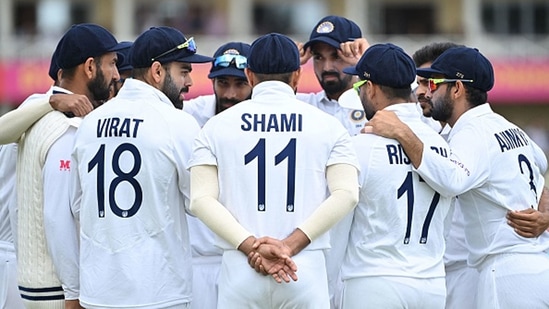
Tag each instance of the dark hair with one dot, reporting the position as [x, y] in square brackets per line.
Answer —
[430, 52]
[475, 96]
[396, 93]
[282, 77]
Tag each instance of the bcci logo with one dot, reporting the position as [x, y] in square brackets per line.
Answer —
[357, 115]
[231, 51]
[325, 27]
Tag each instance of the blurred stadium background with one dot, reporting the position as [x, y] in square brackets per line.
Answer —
[513, 34]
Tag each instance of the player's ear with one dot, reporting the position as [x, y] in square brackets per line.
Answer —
[250, 76]
[294, 79]
[89, 67]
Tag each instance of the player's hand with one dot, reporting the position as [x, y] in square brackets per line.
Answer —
[304, 54]
[272, 257]
[73, 304]
[77, 104]
[528, 222]
[384, 123]
[351, 51]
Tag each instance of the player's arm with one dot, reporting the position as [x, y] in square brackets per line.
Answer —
[16, 122]
[206, 206]
[531, 222]
[387, 124]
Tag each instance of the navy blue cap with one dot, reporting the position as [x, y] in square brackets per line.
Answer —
[273, 53]
[463, 63]
[82, 41]
[156, 41]
[334, 30]
[231, 48]
[123, 63]
[54, 67]
[385, 64]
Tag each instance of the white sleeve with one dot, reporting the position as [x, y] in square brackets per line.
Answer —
[59, 224]
[16, 122]
[461, 171]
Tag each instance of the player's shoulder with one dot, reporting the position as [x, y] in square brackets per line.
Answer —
[199, 103]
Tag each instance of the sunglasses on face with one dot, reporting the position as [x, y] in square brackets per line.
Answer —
[189, 44]
[434, 82]
[240, 62]
[357, 85]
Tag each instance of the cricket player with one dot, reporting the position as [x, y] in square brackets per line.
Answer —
[396, 242]
[47, 237]
[261, 168]
[131, 182]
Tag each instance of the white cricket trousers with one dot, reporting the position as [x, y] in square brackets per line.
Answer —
[9, 292]
[240, 286]
[391, 292]
[514, 280]
[461, 286]
[205, 275]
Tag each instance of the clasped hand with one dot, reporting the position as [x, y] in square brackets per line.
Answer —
[270, 256]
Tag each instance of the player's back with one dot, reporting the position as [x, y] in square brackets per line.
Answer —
[272, 153]
[511, 180]
[132, 156]
[399, 221]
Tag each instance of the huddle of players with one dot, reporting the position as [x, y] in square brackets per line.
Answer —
[387, 252]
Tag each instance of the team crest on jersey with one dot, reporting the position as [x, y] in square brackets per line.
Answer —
[231, 51]
[325, 27]
[64, 165]
[357, 115]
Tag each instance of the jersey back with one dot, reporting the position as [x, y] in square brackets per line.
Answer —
[132, 158]
[272, 155]
[398, 225]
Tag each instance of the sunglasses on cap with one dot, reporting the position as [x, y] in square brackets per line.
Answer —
[357, 85]
[240, 62]
[434, 82]
[189, 44]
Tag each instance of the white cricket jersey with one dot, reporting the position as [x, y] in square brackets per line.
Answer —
[399, 222]
[202, 108]
[494, 168]
[131, 156]
[8, 160]
[352, 119]
[271, 153]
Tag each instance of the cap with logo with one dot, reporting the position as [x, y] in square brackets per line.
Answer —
[164, 44]
[230, 60]
[385, 64]
[463, 63]
[273, 53]
[334, 30]
[82, 41]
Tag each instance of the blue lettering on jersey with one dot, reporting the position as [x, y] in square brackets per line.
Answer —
[272, 122]
[114, 127]
[396, 154]
[440, 150]
[511, 139]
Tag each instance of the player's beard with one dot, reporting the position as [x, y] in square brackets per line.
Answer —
[170, 89]
[336, 86]
[369, 109]
[443, 107]
[100, 89]
[222, 104]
